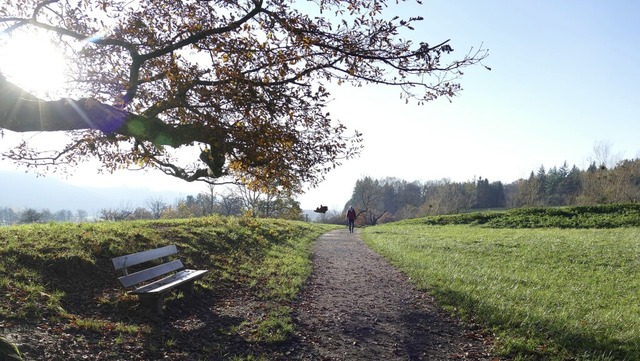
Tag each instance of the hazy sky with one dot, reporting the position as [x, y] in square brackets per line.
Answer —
[565, 76]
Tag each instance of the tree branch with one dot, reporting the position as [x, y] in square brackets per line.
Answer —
[23, 112]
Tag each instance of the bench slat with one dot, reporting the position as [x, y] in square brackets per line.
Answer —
[170, 282]
[144, 256]
[150, 273]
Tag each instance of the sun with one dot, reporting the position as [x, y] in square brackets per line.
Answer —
[33, 62]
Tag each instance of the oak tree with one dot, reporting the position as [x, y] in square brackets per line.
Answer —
[243, 84]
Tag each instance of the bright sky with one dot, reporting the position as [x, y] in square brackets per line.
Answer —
[564, 77]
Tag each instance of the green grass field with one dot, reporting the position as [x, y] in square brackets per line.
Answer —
[546, 293]
[550, 284]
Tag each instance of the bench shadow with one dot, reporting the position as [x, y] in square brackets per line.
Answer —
[191, 327]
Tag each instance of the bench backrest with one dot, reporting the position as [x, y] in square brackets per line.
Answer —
[129, 280]
[122, 262]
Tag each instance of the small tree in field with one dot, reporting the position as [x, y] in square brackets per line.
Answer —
[156, 206]
[229, 204]
[31, 215]
[242, 84]
[117, 214]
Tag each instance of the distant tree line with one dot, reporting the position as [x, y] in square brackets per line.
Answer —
[383, 200]
[234, 201]
[389, 199]
[10, 216]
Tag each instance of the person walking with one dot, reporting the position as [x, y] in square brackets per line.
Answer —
[351, 218]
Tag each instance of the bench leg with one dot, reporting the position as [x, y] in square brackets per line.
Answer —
[187, 288]
[154, 303]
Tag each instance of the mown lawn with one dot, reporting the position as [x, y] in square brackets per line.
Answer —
[546, 293]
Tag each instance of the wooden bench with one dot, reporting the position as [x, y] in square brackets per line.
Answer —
[152, 283]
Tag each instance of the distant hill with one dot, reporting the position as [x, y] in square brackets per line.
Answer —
[24, 190]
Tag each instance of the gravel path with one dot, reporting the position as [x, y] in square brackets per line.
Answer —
[357, 307]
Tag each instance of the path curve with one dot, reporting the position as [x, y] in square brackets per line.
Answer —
[356, 306]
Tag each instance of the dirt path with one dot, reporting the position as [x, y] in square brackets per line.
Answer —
[357, 307]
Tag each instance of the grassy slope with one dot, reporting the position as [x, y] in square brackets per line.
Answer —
[599, 216]
[62, 274]
[548, 293]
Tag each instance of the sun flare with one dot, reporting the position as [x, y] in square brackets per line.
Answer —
[33, 63]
